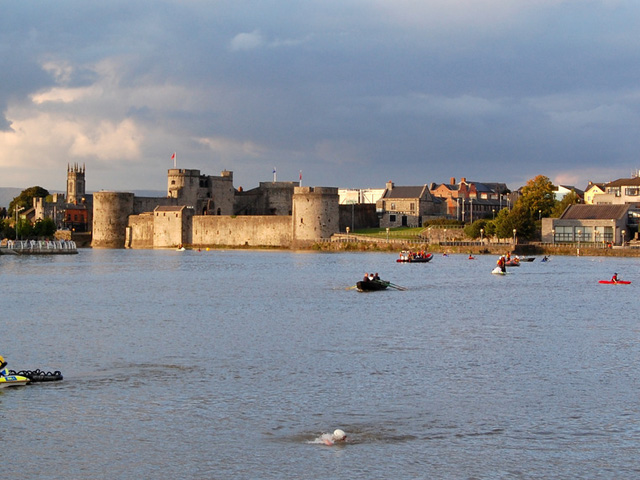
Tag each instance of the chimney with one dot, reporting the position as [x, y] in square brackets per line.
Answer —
[463, 180]
[452, 181]
[389, 185]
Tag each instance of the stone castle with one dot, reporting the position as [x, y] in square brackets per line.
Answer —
[201, 210]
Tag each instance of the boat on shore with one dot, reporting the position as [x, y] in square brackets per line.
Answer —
[407, 256]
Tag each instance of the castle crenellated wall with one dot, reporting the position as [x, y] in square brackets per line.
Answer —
[140, 231]
[148, 204]
[254, 231]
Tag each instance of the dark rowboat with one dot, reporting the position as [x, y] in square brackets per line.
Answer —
[372, 286]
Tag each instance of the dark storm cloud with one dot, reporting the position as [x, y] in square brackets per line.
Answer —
[353, 93]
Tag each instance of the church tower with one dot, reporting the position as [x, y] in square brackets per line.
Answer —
[75, 184]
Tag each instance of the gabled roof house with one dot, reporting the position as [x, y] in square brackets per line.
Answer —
[407, 206]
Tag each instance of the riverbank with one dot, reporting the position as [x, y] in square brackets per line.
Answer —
[475, 248]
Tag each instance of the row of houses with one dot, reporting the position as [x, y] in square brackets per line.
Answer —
[607, 214]
[412, 206]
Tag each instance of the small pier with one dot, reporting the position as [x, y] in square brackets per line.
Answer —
[38, 247]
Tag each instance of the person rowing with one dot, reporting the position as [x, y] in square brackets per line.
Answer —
[614, 279]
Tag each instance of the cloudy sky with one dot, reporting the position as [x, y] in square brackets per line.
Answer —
[353, 93]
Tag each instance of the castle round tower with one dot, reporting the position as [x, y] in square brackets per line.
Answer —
[315, 213]
[111, 212]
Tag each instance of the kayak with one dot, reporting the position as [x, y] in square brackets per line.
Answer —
[622, 282]
[13, 381]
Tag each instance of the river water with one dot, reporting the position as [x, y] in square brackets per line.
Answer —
[230, 364]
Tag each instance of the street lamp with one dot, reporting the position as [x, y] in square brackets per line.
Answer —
[623, 237]
[493, 214]
[579, 238]
[445, 234]
[482, 235]
[18, 210]
[514, 236]
[553, 236]
[347, 234]
[387, 234]
[539, 214]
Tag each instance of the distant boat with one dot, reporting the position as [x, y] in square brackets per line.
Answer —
[412, 257]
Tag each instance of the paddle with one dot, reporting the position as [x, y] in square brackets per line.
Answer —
[397, 287]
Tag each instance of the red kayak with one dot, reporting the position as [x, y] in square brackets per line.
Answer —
[623, 282]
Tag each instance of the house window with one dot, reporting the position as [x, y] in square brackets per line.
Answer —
[632, 191]
[392, 219]
[412, 206]
[393, 206]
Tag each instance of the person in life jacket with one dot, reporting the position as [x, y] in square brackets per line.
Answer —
[3, 367]
[502, 264]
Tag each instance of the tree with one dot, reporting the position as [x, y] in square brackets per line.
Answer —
[44, 228]
[538, 197]
[570, 198]
[25, 199]
[473, 230]
[503, 224]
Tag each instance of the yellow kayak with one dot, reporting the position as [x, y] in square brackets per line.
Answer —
[13, 381]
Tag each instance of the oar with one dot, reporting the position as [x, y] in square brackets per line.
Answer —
[397, 287]
[351, 288]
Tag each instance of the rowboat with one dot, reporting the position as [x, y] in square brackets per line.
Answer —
[372, 285]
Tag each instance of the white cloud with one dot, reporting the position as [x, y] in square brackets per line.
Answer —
[247, 41]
